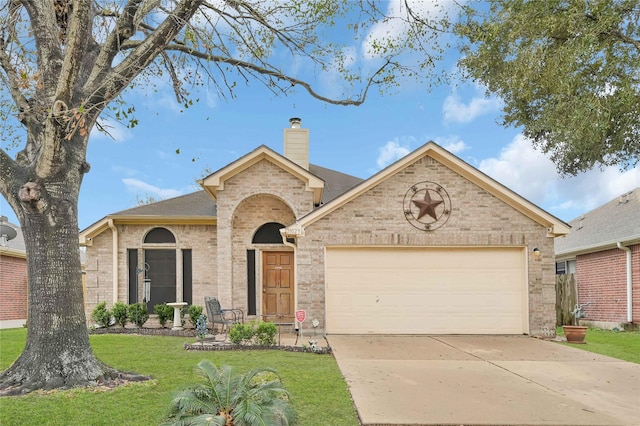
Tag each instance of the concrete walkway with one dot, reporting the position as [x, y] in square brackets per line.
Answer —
[480, 380]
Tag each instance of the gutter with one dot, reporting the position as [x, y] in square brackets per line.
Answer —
[629, 283]
[114, 258]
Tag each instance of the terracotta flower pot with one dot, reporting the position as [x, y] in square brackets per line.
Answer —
[575, 333]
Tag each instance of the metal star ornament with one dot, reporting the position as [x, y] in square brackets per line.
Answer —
[427, 205]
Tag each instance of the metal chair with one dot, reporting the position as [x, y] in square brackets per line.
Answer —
[223, 317]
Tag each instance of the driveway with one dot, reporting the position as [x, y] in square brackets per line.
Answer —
[473, 380]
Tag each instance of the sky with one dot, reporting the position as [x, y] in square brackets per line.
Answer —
[172, 147]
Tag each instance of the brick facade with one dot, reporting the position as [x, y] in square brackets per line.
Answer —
[13, 288]
[602, 280]
[265, 193]
[477, 219]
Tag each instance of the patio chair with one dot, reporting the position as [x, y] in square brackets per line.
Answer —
[223, 317]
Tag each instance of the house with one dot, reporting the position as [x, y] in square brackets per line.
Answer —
[427, 245]
[13, 276]
[603, 251]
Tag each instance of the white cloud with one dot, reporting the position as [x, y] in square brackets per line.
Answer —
[532, 175]
[457, 111]
[395, 25]
[137, 186]
[391, 152]
[452, 143]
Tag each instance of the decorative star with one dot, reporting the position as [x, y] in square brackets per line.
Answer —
[427, 206]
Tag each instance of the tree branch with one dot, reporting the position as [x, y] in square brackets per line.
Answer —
[123, 29]
[49, 53]
[12, 77]
[143, 53]
[279, 75]
[78, 34]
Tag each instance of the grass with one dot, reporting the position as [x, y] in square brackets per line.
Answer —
[319, 393]
[623, 345]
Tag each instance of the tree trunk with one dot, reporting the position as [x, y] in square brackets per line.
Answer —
[57, 352]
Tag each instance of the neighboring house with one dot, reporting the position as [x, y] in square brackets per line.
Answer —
[427, 245]
[603, 250]
[13, 278]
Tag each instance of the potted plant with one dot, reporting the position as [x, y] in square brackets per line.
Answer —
[576, 333]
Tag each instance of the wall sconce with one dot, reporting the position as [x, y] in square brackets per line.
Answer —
[536, 253]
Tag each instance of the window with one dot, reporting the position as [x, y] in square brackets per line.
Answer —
[159, 236]
[269, 233]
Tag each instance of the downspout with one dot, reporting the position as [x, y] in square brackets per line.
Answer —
[114, 260]
[629, 283]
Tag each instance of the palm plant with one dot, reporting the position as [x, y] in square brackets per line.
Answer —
[227, 398]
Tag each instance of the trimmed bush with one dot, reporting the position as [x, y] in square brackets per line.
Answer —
[164, 312]
[138, 313]
[120, 313]
[265, 334]
[241, 334]
[101, 315]
[194, 312]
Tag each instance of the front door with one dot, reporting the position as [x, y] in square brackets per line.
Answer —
[162, 273]
[277, 287]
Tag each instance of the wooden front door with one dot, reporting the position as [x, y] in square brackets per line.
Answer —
[277, 287]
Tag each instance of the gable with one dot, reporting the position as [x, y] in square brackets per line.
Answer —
[433, 153]
[215, 182]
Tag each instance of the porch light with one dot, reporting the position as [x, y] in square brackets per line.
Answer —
[536, 253]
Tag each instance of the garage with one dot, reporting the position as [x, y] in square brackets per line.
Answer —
[426, 290]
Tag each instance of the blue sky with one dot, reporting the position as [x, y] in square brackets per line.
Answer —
[360, 141]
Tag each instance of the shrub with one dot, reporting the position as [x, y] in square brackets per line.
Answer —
[241, 334]
[120, 313]
[164, 312]
[226, 397]
[194, 312]
[265, 334]
[138, 313]
[101, 315]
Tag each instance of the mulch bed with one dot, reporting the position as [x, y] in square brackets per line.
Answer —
[208, 344]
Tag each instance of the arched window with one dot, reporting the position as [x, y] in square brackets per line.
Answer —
[269, 233]
[159, 235]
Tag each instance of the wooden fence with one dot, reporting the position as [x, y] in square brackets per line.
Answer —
[566, 298]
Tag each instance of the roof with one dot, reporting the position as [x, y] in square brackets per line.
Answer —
[197, 203]
[335, 183]
[216, 180]
[603, 227]
[554, 225]
[14, 247]
[201, 207]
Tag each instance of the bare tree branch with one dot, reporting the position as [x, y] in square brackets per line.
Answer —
[49, 53]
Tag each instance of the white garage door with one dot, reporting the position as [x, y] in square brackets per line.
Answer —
[384, 290]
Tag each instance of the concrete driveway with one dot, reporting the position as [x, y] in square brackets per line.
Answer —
[474, 380]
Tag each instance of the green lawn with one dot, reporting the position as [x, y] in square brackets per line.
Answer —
[319, 393]
[623, 345]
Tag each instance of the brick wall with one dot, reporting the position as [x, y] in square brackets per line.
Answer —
[13, 288]
[200, 239]
[265, 193]
[602, 280]
[477, 219]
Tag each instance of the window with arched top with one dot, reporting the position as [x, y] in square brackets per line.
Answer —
[159, 236]
[269, 233]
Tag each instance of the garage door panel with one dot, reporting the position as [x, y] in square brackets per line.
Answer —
[426, 290]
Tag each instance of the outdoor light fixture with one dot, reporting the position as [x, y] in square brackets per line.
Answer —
[536, 253]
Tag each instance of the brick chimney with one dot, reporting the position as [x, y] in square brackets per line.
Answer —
[296, 143]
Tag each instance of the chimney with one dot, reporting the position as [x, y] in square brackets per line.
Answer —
[296, 143]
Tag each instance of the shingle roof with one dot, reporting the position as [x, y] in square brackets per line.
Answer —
[199, 203]
[335, 183]
[616, 221]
